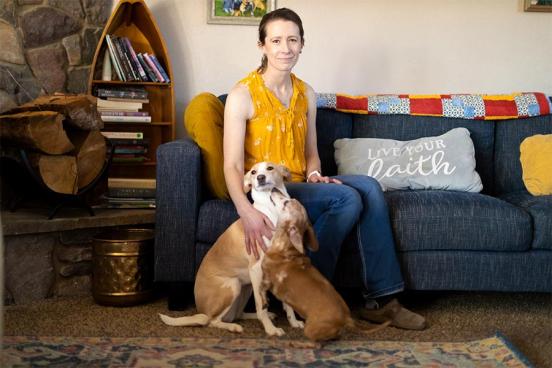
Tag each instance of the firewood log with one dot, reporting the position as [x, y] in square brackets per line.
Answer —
[59, 173]
[80, 111]
[90, 152]
[40, 130]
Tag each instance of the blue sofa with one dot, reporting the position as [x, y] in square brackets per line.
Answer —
[496, 240]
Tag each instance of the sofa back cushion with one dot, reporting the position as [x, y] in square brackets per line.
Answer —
[409, 127]
[331, 125]
[509, 135]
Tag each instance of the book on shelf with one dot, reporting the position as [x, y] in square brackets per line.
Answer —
[123, 135]
[131, 192]
[129, 158]
[124, 113]
[129, 141]
[114, 59]
[125, 61]
[124, 99]
[129, 148]
[118, 105]
[148, 183]
[128, 59]
[130, 199]
[160, 68]
[122, 92]
[153, 67]
[125, 119]
[134, 59]
[113, 202]
[147, 68]
[132, 66]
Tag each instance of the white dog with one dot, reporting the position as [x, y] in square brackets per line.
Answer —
[227, 273]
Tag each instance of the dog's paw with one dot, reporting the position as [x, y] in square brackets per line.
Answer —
[275, 331]
[297, 324]
[234, 327]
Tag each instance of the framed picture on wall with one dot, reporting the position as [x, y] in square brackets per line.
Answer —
[245, 12]
[537, 5]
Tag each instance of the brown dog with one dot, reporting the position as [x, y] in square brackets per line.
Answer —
[290, 276]
[227, 274]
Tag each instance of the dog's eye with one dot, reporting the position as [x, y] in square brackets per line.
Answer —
[253, 172]
[270, 168]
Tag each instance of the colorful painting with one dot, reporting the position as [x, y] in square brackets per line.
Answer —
[246, 12]
[537, 5]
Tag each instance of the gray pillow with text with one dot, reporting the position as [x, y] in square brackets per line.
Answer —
[445, 162]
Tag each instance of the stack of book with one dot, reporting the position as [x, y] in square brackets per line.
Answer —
[130, 193]
[128, 147]
[122, 104]
[132, 66]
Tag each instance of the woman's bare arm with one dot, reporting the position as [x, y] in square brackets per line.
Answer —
[311, 149]
[238, 109]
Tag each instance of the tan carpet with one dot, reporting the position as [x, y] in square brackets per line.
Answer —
[525, 319]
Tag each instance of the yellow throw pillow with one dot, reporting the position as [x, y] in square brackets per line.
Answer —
[204, 121]
[536, 164]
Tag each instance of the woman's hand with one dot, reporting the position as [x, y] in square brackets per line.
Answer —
[315, 178]
[256, 225]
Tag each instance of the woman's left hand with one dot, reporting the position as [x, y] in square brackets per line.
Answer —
[322, 179]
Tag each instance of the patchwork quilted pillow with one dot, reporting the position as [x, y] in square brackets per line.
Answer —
[444, 162]
[536, 164]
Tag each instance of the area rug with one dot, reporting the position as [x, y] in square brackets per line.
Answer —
[19, 351]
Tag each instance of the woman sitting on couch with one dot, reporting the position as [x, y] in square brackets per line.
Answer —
[270, 116]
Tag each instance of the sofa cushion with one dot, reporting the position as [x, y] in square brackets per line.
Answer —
[407, 128]
[331, 125]
[446, 220]
[214, 217]
[444, 162]
[203, 120]
[536, 163]
[509, 135]
[540, 209]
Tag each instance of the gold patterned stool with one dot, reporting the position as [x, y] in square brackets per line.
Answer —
[122, 267]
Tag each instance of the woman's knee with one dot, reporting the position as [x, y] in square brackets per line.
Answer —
[366, 185]
[347, 199]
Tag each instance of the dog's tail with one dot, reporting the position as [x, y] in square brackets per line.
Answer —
[195, 320]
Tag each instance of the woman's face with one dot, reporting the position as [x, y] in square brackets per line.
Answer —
[282, 44]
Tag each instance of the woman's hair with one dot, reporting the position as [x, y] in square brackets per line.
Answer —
[278, 14]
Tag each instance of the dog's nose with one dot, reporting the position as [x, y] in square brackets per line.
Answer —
[261, 178]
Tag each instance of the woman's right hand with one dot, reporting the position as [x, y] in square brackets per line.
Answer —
[256, 225]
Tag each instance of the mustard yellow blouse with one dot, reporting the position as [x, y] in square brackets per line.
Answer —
[276, 133]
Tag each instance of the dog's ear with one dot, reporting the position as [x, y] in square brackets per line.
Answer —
[296, 238]
[247, 182]
[284, 171]
[309, 238]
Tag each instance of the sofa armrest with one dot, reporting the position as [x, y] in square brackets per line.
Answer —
[178, 197]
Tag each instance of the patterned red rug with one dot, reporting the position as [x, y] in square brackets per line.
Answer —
[19, 351]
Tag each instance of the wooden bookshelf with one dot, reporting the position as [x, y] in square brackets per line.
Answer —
[133, 19]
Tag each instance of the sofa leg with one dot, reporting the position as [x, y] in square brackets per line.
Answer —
[180, 295]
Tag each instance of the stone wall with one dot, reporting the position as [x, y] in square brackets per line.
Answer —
[39, 266]
[53, 258]
[47, 46]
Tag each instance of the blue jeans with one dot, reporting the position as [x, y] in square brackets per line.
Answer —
[334, 211]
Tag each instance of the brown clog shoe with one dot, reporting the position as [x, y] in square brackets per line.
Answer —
[399, 316]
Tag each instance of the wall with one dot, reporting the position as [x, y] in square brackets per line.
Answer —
[371, 46]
